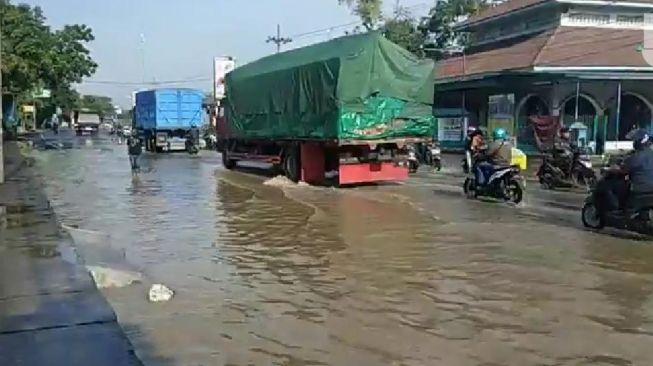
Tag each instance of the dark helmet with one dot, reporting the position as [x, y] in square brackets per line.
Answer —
[641, 139]
[564, 129]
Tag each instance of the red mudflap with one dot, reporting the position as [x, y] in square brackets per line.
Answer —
[371, 172]
[312, 160]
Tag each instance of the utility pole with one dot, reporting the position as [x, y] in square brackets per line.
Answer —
[2, 155]
[142, 42]
[278, 39]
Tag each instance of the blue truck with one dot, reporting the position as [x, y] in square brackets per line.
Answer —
[164, 118]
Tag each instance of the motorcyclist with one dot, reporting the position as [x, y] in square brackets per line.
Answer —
[562, 152]
[474, 139]
[194, 134]
[638, 167]
[497, 154]
[473, 144]
[562, 144]
[55, 124]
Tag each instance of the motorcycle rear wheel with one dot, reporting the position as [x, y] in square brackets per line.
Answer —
[514, 192]
[591, 217]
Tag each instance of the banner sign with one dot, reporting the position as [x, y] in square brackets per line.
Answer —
[451, 128]
[221, 67]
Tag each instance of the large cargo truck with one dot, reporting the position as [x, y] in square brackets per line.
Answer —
[163, 118]
[342, 111]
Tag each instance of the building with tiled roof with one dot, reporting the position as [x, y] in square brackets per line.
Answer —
[554, 62]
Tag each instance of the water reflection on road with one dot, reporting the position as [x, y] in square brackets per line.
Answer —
[394, 275]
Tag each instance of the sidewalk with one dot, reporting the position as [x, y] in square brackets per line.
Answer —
[51, 313]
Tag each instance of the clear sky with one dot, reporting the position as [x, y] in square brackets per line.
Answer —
[171, 40]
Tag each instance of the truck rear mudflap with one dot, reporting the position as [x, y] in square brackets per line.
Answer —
[376, 171]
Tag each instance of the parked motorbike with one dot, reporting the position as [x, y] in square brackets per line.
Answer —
[433, 156]
[554, 173]
[637, 217]
[413, 161]
[505, 183]
[211, 141]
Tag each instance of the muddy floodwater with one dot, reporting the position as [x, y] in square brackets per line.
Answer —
[279, 274]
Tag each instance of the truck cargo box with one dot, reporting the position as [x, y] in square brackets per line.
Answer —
[360, 87]
[168, 109]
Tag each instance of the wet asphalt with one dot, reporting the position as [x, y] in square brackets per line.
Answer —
[269, 272]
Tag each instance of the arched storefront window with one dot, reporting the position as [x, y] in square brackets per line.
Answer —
[635, 113]
[533, 107]
[586, 111]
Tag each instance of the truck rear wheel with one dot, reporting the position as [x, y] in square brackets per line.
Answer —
[291, 164]
[226, 162]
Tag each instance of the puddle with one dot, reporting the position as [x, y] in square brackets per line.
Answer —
[107, 263]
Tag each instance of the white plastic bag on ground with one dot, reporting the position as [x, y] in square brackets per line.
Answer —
[159, 293]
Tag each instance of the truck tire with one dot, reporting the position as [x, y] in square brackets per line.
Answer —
[226, 162]
[292, 163]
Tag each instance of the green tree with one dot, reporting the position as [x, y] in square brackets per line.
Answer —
[368, 10]
[97, 104]
[405, 31]
[68, 61]
[24, 46]
[35, 57]
[443, 16]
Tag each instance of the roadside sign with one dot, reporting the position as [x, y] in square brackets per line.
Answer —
[221, 67]
[44, 93]
[28, 109]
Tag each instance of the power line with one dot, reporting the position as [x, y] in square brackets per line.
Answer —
[127, 83]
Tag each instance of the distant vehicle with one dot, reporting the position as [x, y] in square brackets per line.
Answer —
[86, 123]
[126, 131]
[163, 118]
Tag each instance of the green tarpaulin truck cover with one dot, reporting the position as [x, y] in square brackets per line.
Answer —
[360, 87]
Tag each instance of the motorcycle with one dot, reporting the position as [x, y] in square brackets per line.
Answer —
[505, 183]
[433, 156]
[191, 147]
[637, 217]
[555, 173]
[413, 162]
[211, 141]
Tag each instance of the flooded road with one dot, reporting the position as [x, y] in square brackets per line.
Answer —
[390, 275]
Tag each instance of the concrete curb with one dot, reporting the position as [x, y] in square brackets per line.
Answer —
[51, 312]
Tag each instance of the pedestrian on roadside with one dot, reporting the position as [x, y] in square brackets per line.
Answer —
[134, 149]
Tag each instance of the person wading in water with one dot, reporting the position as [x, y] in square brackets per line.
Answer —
[134, 149]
